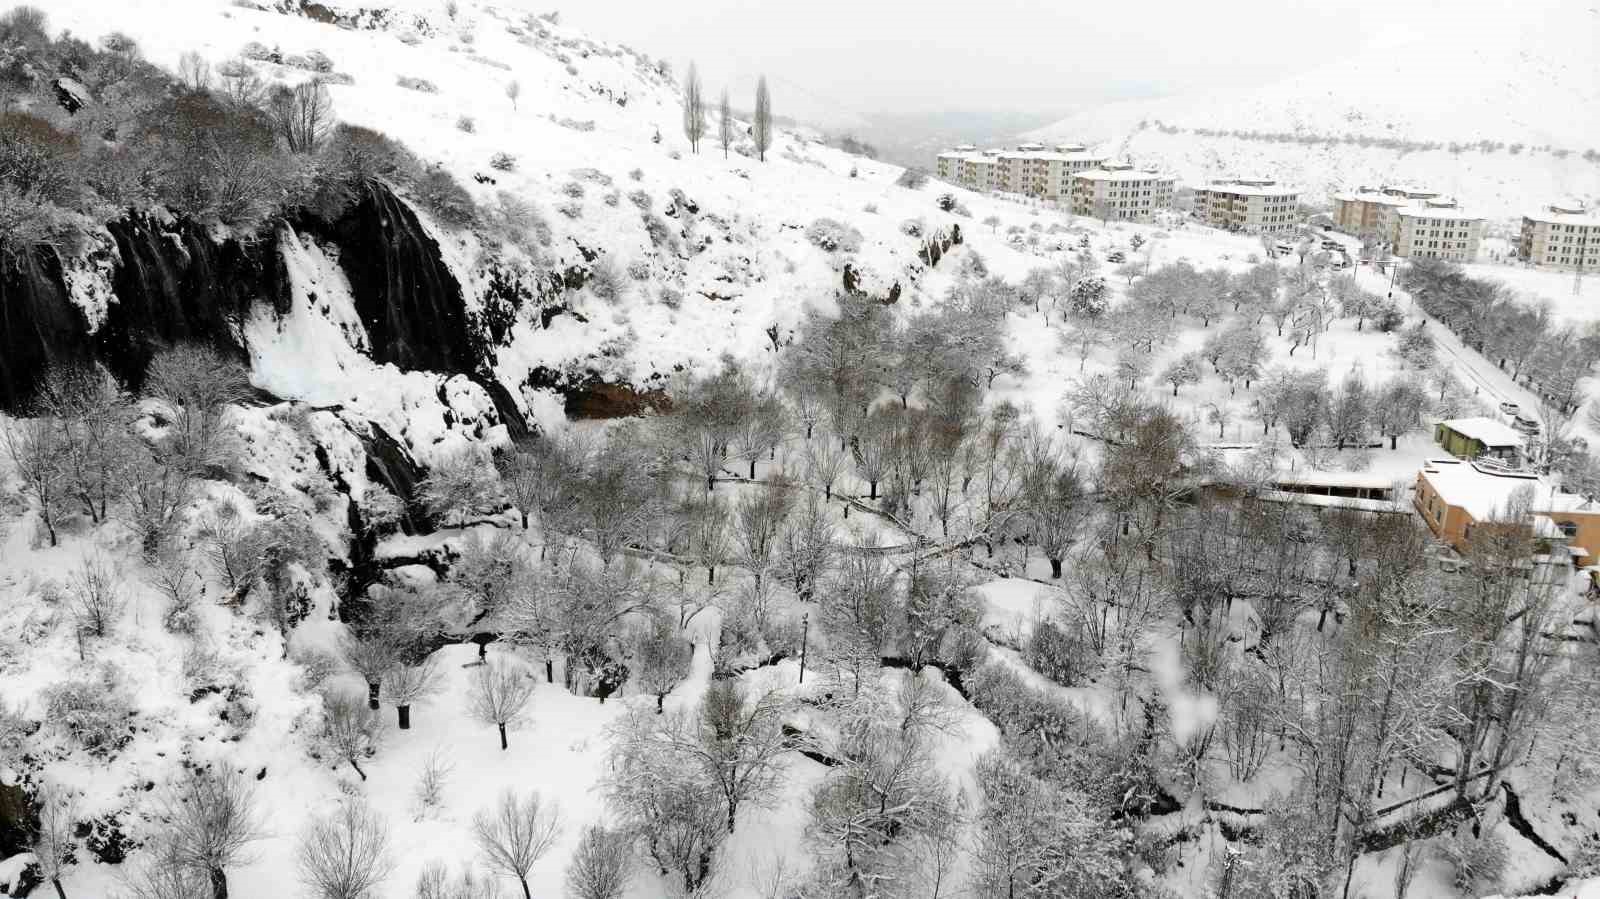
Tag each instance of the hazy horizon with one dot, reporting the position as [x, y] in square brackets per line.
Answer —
[832, 61]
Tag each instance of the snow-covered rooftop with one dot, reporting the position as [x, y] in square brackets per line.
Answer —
[1485, 429]
[1251, 187]
[1565, 213]
[1484, 491]
[1433, 211]
[1122, 174]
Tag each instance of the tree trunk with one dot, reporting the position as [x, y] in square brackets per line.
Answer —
[1393, 439]
[549, 671]
[873, 490]
[60, 893]
[357, 766]
[219, 884]
[372, 694]
[503, 747]
[524, 521]
[659, 698]
[1055, 569]
[526, 893]
[404, 713]
[711, 574]
[752, 468]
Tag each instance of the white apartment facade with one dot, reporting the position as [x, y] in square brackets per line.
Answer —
[1030, 169]
[1561, 236]
[1120, 192]
[1248, 206]
[1436, 229]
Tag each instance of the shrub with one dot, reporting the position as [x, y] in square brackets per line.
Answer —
[946, 202]
[871, 208]
[92, 714]
[574, 124]
[573, 189]
[912, 178]
[444, 197]
[661, 235]
[833, 236]
[639, 270]
[319, 61]
[606, 280]
[613, 198]
[1059, 654]
[636, 174]
[503, 162]
[259, 52]
[416, 84]
[641, 199]
[912, 227]
[572, 209]
[316, 666]
[466, 124]
[1476, 863]
[671, 297]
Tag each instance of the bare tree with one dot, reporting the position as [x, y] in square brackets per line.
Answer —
[345, 855]
[161, 878]
[197, 384]
[350, 729]
[302, 115]
[159, 488]
[460, 486]
[725, 124]
[96, 595]
[758, 524]
[212, 820]
[36, 449]
[240, 85]
[234, 547]
[93, 413]
[53, 843]
[661, 657]
[406, 684]
[710, 536]
[194, 71]
[513, 91]
[825, 464]
[516, 833]
[500, 692]
[601, 866]
[435, 882]
[371, 653]
[694, 108]
[761, 128]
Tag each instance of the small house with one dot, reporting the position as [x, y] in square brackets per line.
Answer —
[1474, 438]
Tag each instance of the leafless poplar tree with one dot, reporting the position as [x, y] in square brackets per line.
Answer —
[694, 108]
[53, 843]
[725, 124]
[761, 128]
[516, 833]
[500, 692]
[513, 91]
[345, 855]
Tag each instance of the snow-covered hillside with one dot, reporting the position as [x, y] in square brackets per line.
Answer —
[1499, 110]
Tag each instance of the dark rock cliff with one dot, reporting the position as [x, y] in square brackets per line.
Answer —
[39, 327]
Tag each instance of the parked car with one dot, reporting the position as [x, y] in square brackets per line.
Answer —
[1510, 408]
[1525, 425]
[1332, 245]
[1116, 256]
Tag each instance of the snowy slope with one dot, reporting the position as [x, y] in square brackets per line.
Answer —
[1527, 80]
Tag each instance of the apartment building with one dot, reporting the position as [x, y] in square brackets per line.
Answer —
[1372, 209]
[1031, 169]
[1248, 206]
[1120, 192]
[1435, 229]
[1561, 236]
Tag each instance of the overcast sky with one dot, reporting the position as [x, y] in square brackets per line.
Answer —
[864, 56]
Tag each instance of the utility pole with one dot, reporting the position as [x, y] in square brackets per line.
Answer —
[805, 630]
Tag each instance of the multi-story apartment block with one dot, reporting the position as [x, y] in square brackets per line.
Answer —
[1030, 169]
[1120, 192]
[1436, 229]
[1248, 206]
[1563, 236]
[1370, 210]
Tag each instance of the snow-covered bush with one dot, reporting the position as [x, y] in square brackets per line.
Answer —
[320, 61]
[946, 202]
[573, 189]
[671, 297]
[870, 209]
[593, 176]
[1477, 864]
[382, 510]
[1060, 653]
[641, 199]
[316, 666]
[639, 270]
[662, 237]
[612, 198]
[912, 178]
[572, 209]
[92, 714]
[912, 227]
[606, 280]
[259, 52]
[833, 236]
[503, 162]
[636, 174]
[466, 124]
[444, 197]
[16, 735]
[411, 83]
[574, 124]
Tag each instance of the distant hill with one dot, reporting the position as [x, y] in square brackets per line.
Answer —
[1505, 113]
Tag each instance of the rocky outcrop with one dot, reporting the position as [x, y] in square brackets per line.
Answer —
[593, 397]
[39, 326]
